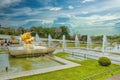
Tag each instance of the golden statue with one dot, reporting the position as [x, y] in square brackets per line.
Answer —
[27, 38]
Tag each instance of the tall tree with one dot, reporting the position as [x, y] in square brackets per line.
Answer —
[58, 32]
[40, 31]
[21, 30]
[65, 31]
[33, 30]
[10, 31]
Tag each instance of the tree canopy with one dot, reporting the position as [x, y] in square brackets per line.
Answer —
[55, 32]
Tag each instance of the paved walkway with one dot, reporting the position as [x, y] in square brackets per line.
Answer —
[115, 77]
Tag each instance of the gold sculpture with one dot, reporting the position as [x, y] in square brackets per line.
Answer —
[27, 38]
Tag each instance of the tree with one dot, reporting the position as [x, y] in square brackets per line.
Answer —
[21, 30]
[9, 31]
[40, 31]
[2, 32]
[97, 39]
[33, 30]
[65, 31]
[57, 32]
[83, 38]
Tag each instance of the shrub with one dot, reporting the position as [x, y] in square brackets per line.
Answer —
[104, 61]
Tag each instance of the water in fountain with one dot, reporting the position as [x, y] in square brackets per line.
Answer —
[15, 65]
[76, 41]
[4, 62]
[64, 43]
[37, 38]
[11, 64]
[104, 43]
[89, 42]
[49, 40]
[116, 48]
[20, 40]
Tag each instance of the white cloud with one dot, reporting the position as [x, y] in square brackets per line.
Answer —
[50, 8]
[29, 20]
[113, 3]
[102, 18]
[84, 1]
[7, 3]
[102, 6]
[55, 8]
[93, 23]
[47, 21]
[9, 22]
[84, 12]
[19, 12]
[70, 7]
[39, 20]
[24, 9]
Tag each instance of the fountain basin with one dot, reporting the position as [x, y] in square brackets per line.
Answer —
[26, 52]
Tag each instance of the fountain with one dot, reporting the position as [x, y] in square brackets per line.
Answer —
[64, 43]
[20, 40]
[28, 49]
[37, 38]
[89, 42]
[76, 41]
[11, 67]
[104, 44]
[49, 40]
[116, 48]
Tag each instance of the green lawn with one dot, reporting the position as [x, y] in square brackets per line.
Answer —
[2, 50]
[88, 68]
[68, 44]
[96, 45]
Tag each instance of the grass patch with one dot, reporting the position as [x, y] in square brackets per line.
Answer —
[96, 45]
[68, 44]
[88, 67]
[83, 45]
[2, 50]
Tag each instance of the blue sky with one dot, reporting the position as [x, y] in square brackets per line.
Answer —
[94, 17]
